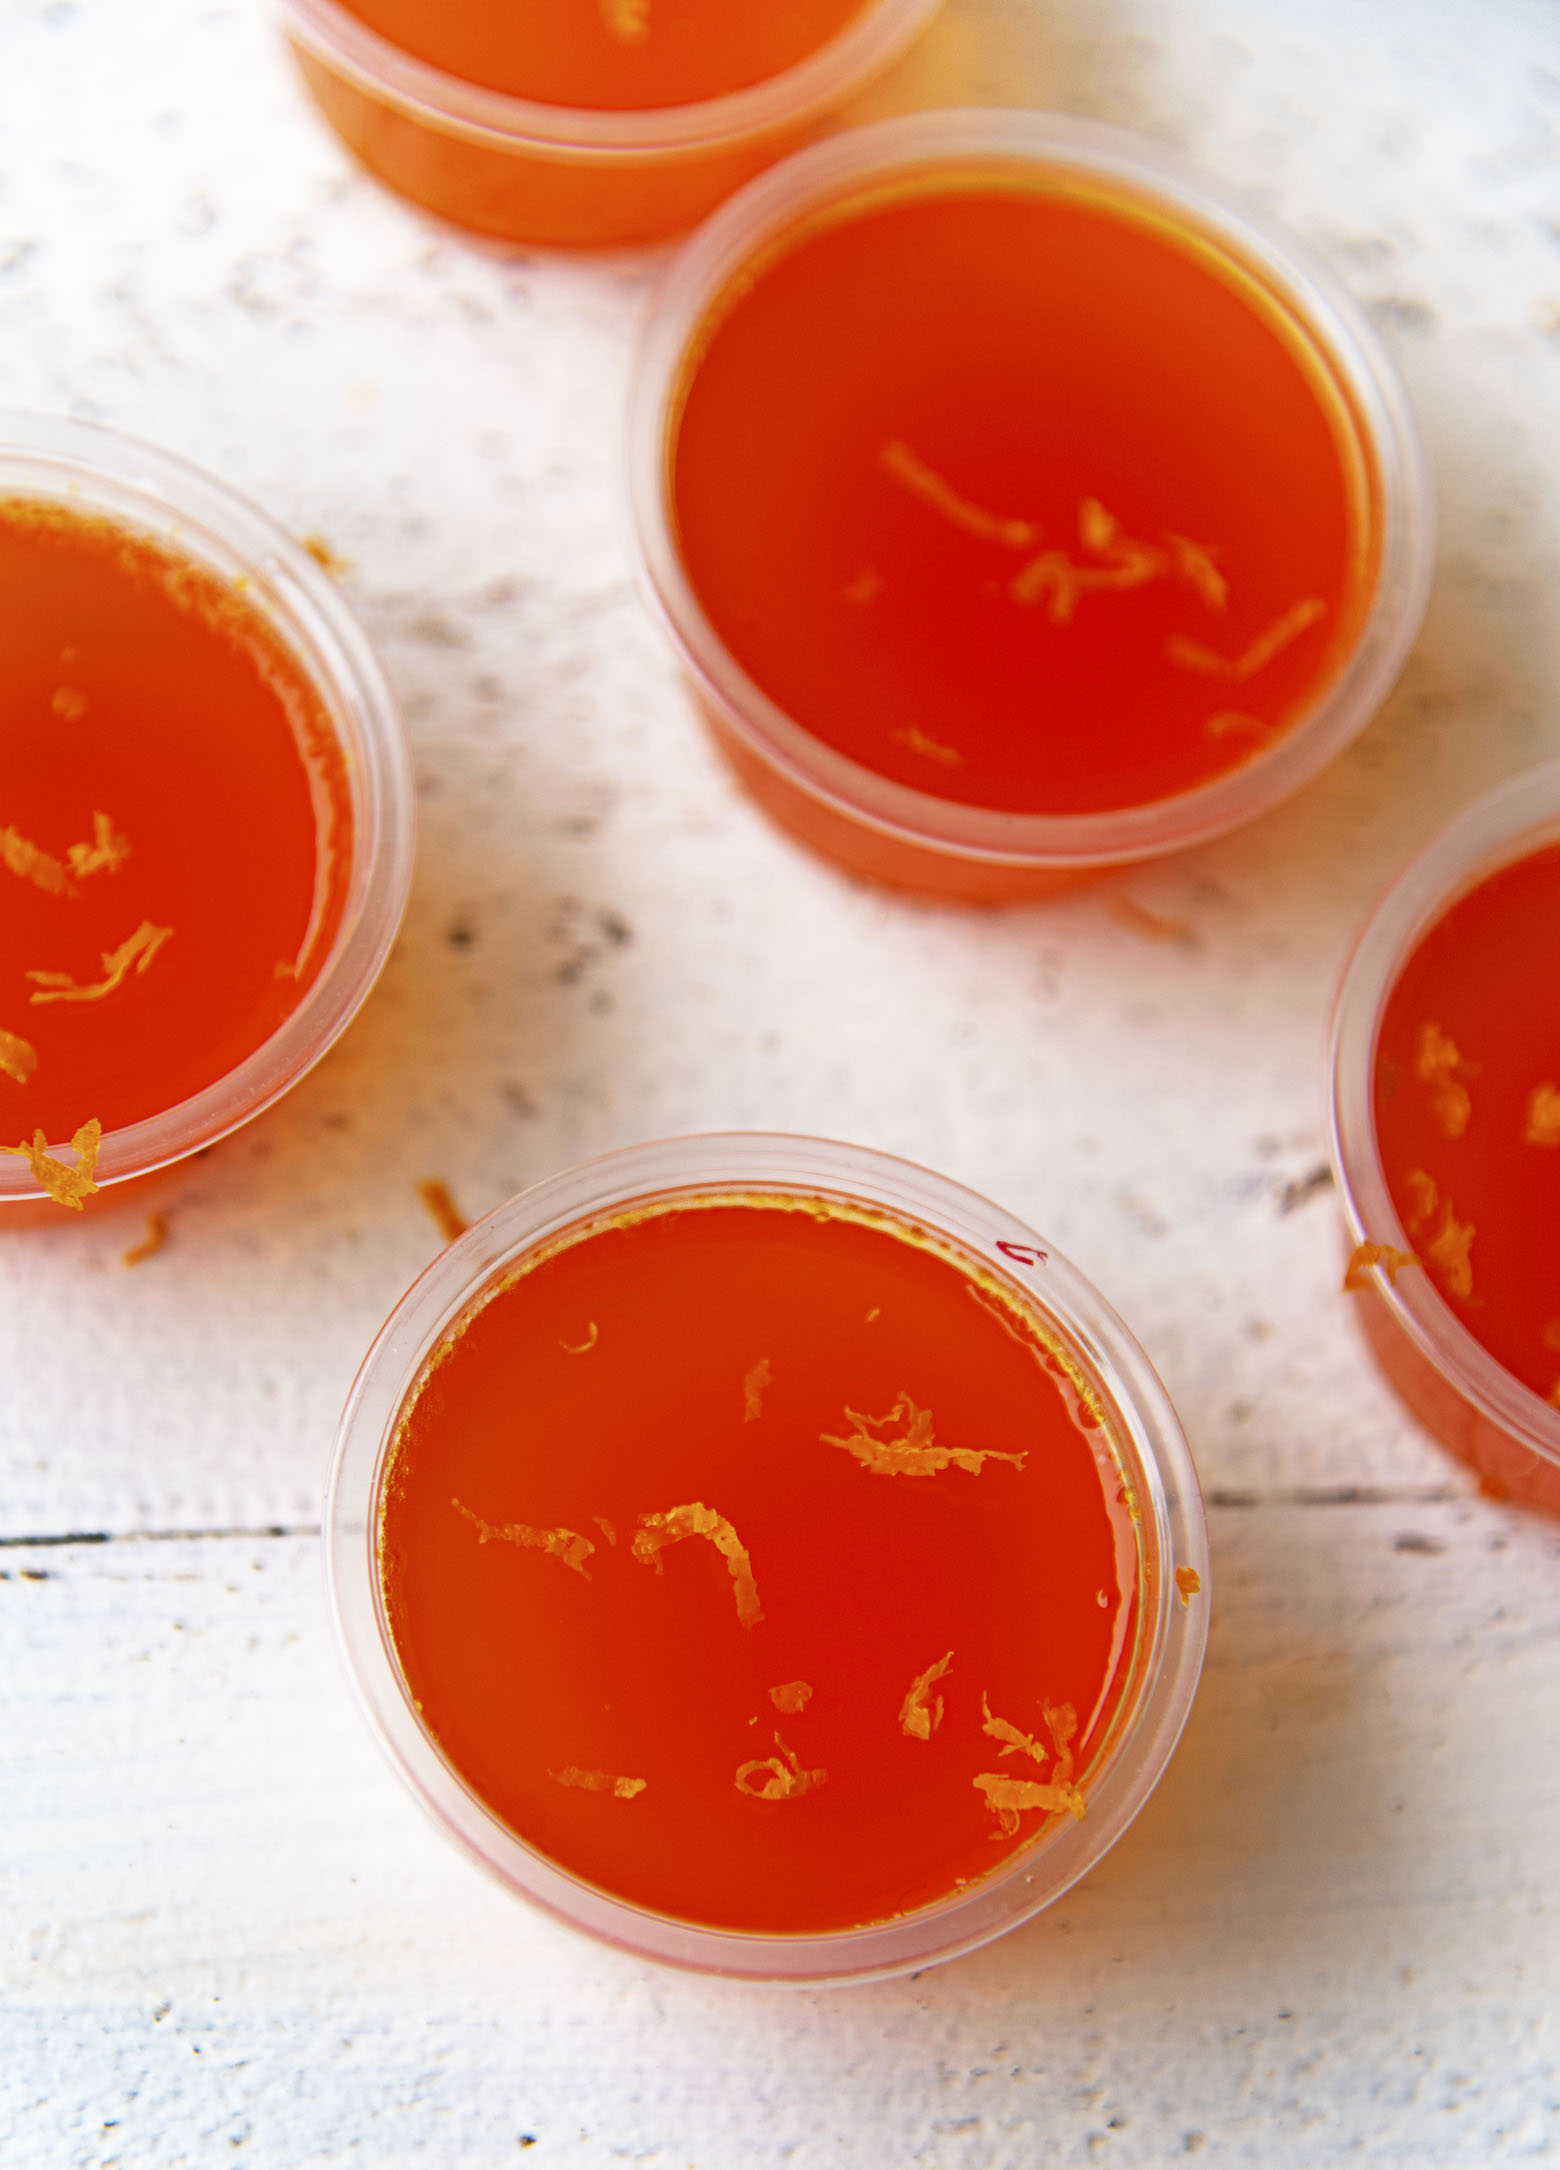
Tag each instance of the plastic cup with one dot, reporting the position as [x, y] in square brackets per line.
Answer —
[1453, 1385]
[1160, 1675]
[158, 498]
[522, 170]
[913, 838]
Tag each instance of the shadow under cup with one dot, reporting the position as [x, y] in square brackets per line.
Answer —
[636, 1644]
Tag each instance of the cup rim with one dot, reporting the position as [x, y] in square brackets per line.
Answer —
[106, 474]
[434, 98]
[1170, 1500]
[704, 268]
[1519, 817]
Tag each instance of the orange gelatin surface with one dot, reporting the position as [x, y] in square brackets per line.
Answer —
[1023, 496]
[608, 55]
[761, 1564]
[1467, 1106]
[175, 825]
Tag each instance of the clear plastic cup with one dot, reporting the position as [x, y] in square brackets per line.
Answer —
[1161, 1676]
[911, 838]
[152, 495]
[522, 170]
[1453, 1385]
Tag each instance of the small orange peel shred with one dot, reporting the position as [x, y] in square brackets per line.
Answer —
[66, 1185]
[622, 1789]
[778, 1777]
[921, 1712]
[150, 1244]
[657, 1531]
[134, 954]
[562, 1544]
[1366, 1256]
[761, 1376]
[18, 1057]
[910, 1450]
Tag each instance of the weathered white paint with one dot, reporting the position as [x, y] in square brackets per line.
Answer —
[226, 1935]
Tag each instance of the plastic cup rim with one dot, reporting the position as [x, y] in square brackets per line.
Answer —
[1520, 816]
[835, 168]
[528, 126]
[107, 474]
[1170, 1497]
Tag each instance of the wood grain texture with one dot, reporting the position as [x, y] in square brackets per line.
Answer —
[227, 1936]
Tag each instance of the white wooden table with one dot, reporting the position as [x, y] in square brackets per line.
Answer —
[224, 1933]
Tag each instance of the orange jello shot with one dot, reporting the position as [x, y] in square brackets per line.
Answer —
[205, 812]
[585, 123]
[1446, 1126]
[1018, 503]
[770, 1557]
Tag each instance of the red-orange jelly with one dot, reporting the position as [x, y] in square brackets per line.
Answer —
[1022, 493]
[175, 825]
[608, 55]
[762, 1563]
[1467, 1106]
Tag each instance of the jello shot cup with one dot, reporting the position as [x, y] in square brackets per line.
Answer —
[1445, 1077]
[1018, 502]
[206, 840]
[769, 1557]
[584, 123]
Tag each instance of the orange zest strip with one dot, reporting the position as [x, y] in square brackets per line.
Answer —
[1056, 575]
[1364, 1256]
[916, 741]
[583, 1348]
[606, 1528]
[561, 1544]
[622, 1789]
[910, 470]
[656, 1531]
[914, 1452]
[1192, 656]
[18, 1057]
[150, 1244]
[1194, 564]
[1542, 1125]
[24, 859]
[1450, 1248]
[1010, 1798]
[791, 1697]
[627, 19]
[446, 1214]
[1436, 1064]
[920, 1714]
[106, 853]
[782, 1780]
[135, 953]
[1424, 1196]
[753, 1390]
[67, 1186]
[328, 560]
[1188, 1582]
